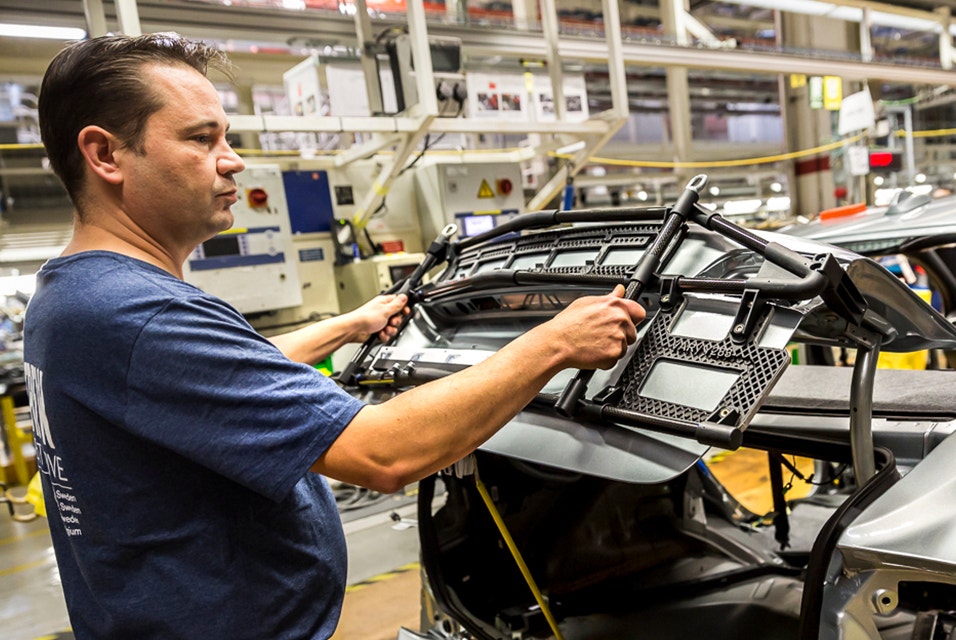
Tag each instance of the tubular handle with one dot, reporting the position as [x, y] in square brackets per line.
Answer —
[435, 253]
[647, 264]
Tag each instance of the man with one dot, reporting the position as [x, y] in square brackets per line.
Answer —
[174, 441]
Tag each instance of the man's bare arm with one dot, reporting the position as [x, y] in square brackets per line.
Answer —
[425, 429]
[380, 315]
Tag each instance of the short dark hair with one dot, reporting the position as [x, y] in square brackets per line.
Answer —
[101, 82]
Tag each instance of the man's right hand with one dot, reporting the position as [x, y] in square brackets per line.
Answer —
[415, 433]
[595, 331]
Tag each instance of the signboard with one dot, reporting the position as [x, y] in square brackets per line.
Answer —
[832, 92]
[856, 113]
[858, 160]
[815, 92]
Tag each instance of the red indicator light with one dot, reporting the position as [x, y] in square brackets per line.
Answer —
[258, 198]
[886, 160]
[505, 187]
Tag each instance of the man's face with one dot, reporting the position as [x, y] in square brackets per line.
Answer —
[181, 189]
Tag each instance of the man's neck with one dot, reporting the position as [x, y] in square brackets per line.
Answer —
[93, 237]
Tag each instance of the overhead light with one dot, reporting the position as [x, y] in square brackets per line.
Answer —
[920, 178]
[742, 207]
[878, 181]
[568, 149]
[778, 203]
[36, 31]
[715, 190]
[776, 187]
[912, 19]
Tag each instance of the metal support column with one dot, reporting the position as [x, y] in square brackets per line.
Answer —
[422, 113]
[456, 11]
[128, 15]
[549, 24]
[866, 42]
[616, 71]
[525, 14]
[422, 56]
[908, 144]
[678, 89]
[945, 38]
[363, 33]
[614, 117]
[95, 18]
[812, 189]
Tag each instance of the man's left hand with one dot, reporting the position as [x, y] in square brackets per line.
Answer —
[381, 315]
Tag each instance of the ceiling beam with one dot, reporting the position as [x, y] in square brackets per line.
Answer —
[257, 25]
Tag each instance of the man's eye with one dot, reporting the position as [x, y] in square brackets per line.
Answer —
[203, 139]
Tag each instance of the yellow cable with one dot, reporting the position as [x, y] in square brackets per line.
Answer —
[517, 556]
[278, 152]
[927, 134]
[716, 163]
[16, 146]
[654, 164]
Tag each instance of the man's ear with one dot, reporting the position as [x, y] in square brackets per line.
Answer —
[99, 148]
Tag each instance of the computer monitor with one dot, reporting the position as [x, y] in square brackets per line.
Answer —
[475, 224]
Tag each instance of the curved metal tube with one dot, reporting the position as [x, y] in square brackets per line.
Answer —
[861, 413]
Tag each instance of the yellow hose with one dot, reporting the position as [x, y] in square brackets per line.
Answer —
[517, 556]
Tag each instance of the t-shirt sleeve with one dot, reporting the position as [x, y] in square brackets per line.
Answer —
[205, 385]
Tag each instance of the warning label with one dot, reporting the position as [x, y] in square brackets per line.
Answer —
[485, 191]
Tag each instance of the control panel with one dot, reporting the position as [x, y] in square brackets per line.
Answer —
[252, 265]
[475, 196]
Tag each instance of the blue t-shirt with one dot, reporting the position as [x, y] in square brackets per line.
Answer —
[174, 444]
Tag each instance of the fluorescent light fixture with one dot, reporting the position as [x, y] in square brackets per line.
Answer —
[36, 31]
[900, 19]
[742, 207]
[574, 147]
[778, 203]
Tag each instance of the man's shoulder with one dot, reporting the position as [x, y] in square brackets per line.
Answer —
[94, 273]
[100, 286]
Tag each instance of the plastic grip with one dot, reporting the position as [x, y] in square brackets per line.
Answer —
[719, 435]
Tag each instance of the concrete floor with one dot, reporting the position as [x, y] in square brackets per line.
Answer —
[383, 592]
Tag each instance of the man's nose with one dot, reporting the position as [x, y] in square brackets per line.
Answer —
[230, 162]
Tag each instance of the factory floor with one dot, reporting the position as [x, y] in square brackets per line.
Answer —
[384, 581]
[382, 592]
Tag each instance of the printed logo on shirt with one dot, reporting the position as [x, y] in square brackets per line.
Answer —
[49, 464]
